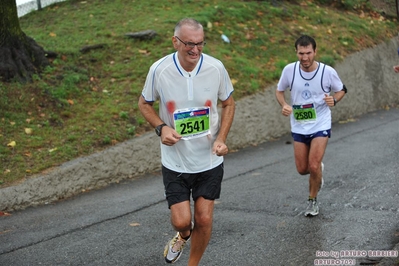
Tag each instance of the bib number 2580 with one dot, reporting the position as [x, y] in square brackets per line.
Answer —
[304, 113]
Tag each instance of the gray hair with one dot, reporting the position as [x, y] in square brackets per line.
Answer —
[189, 22]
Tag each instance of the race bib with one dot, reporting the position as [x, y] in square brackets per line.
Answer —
[192, 122]
[304, 113]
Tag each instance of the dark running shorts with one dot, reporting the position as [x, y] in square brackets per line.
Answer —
[308, 138]
[179, 186]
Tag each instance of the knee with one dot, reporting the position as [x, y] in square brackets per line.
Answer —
[314, 167]
[182, 225]
[303, 172]
[181, 220]
[203, 220]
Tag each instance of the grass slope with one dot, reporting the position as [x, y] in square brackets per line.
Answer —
[87, 102]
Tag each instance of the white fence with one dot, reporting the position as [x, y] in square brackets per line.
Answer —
[26, 6]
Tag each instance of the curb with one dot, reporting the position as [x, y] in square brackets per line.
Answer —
[368, 75]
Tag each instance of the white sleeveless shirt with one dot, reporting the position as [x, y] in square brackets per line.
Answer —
[308, 89]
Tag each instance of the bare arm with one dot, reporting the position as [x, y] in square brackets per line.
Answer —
[337, 96]
[286, 108]
[149, 113]
[168, 135]
[228, 109]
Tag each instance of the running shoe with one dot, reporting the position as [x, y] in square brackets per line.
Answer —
[174, 248]
[312, 209]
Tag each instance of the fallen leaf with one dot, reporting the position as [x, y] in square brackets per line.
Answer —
[145, 52]
[11, 144]
[70, 102]
[134, 224]
[347, 121]
[281, 224]
[52, 34]
[4, 214]
[52, 150]
[28, 131]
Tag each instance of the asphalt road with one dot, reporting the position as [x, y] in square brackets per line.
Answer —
[258, 220]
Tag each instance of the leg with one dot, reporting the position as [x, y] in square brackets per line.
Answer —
[177, 192]
[317, 149]
[301, 153]
[181, 218]
[203, 218]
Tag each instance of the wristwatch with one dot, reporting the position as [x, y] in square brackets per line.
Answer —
[335, 101]
[158, 129]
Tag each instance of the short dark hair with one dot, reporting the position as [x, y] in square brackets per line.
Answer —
[305, 40]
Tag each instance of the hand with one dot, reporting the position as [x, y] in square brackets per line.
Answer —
[169, 136]
[396, 69]
[287, 110]
[329, 100]
[219, 148]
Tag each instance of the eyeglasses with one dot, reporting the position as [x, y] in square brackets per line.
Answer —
[191, 44]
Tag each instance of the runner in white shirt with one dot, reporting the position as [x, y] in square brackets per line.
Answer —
[188, 103]
[188, 85]
[310, 83]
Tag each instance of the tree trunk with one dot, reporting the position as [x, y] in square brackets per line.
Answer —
[20, 55]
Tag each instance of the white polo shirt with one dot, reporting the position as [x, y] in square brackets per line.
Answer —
[310, 112]
[177, 89]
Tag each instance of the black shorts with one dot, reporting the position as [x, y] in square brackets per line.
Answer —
[179, 186]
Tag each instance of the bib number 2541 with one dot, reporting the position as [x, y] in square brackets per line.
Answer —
[192, 123]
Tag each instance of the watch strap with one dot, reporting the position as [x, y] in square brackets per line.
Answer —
[158, 129]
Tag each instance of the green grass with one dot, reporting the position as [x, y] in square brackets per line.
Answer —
[86, 102]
